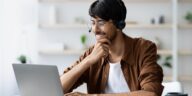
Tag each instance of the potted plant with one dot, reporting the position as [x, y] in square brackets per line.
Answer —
[166, 61]
[22, 59]
[84, 40]
[188, 17]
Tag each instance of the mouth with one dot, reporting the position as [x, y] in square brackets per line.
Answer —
[100, 35]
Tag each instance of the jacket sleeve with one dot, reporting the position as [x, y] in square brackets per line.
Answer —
[151, 74]
[84, 77]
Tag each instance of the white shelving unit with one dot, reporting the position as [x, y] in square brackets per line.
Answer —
[180, 78]
[175, 39]
[62, 26]
[184, 1]
[132, 26]
[185, 26]
[60, 52]
[174, 26]
[79, 52]
[126, 1]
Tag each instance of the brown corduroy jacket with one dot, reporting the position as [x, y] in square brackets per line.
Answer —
[139, 66]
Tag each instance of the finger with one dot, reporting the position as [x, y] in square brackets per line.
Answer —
[103, 52]
[104, 41]
[68, 94]
[105, 46]
[98, 44]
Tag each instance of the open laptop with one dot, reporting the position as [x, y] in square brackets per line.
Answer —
[38, 80]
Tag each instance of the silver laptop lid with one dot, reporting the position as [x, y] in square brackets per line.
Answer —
[38, 80]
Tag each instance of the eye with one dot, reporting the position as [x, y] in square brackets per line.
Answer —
[92, 22]
[101, 22]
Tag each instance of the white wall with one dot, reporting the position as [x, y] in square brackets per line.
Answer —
[16, 38]
[12, 29]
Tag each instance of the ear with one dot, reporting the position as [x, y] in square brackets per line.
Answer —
[118, 30]
[121, 24]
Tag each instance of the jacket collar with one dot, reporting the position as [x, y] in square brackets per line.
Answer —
[128, 54]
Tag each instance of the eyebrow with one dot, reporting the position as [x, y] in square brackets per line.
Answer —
[97, 20]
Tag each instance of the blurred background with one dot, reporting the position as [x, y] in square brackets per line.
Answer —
[55, 32]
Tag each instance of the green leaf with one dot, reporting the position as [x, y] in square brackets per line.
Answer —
[167, 64]
[168, 58]
[22, 58]
[83, 39]
[188, 16]
[158, 57]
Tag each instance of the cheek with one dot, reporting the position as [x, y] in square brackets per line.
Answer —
[111, 31]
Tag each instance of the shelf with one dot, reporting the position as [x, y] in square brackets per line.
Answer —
[60, 52]
[79, 52]
[185, 1]
[185, 52]
[169, 52]
[149, 26]
[125, 1]
[90, 1]
[164, 52]
[131, 26]
[147, 1]
[185, 26]
[62, 26]
[62, 1]
[180, 78]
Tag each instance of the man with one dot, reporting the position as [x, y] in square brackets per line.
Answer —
[117, 64]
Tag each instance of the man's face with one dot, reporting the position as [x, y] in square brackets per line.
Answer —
[103, 29]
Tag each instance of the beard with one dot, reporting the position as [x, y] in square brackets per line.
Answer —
[111, 37]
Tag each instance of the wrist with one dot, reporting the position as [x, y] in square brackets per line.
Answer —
[87, 61]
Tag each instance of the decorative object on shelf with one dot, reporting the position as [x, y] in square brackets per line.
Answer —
[80, 20]
[153, 21]
[83, 41]
[161, 19]
[52, 15]
[158, 20]
[166, 61]
[22, 59]
[188, 17]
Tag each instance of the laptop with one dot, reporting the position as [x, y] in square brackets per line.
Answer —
[38, 80]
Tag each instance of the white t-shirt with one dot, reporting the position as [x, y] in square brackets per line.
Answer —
[116, 82]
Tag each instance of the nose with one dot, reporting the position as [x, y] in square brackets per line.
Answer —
[96, 28]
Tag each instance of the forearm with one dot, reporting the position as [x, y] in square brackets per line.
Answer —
[134, 93]
[68, 79]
